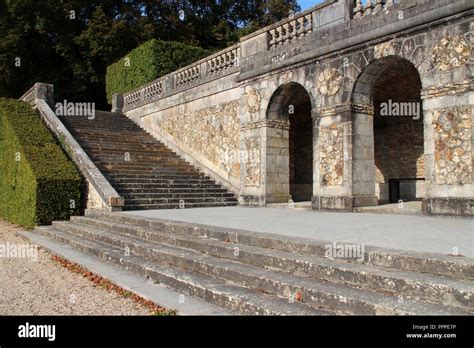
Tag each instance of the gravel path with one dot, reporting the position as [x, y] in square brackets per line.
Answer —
[44, 287]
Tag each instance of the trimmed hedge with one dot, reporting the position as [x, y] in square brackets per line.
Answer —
[38, 183]
[148, 62]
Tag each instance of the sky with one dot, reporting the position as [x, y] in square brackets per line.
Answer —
[305, 4]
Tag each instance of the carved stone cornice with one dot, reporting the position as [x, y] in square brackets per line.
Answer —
[265, 123]
[446, 90]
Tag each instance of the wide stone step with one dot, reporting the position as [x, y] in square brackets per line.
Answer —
[121, 147]
[216, 291]
[172, 190]
[197, 199]
[145, 187]
[319, 294]
[155, 167]
[408, 284]
[187, 205]
[164, 179]
[178, 195]
[452, 267]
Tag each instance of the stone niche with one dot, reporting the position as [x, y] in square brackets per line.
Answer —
[212, 132]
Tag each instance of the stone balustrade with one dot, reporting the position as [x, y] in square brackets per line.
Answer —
[371, 7]
[292, 30]
[187, 76]
[229, 58]
[217, 65]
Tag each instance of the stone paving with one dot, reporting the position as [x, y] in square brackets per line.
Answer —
[415, 233]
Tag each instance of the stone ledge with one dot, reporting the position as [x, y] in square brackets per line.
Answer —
[448, 206]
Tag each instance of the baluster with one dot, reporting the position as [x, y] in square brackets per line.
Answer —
[378, 6]
[388, 4]
[272, 34]
[368, 8]
[300, 27]
[358, 9]
[279, 35]
[286, 30]
[309, 24]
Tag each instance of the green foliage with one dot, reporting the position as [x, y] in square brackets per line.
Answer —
[37, 181]
[147, 62]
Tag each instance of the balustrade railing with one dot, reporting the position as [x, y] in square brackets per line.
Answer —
[294, 29]
[217, 64]
[371, 7]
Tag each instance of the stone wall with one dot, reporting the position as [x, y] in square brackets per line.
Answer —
[331, 155]
[212, 132]
[453, 146]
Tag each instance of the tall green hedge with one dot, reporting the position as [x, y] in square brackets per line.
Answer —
[148, 62]
[38, 183]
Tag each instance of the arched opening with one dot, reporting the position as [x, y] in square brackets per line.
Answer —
[391, 88]
[290, 145]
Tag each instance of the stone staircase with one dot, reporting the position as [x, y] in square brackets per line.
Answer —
[265, 274]
[141, 169]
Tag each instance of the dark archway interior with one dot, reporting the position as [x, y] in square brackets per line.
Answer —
[398, 133]
[301, 148]
[292, 102]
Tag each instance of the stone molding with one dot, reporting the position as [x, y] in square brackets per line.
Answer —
[265, 123]
[342, 108]
[446, 90]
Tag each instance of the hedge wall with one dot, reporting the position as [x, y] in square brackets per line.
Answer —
[38, 183]
[148, 62]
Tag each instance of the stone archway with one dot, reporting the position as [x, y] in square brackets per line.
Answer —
[289, 160]
[388, 162]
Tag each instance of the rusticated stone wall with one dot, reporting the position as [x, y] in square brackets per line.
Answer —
[453, 159]
[213, 132]
[252, 160]
[331, 155]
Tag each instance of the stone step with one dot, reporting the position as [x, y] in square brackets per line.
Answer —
[453, 267]
[216, 291]
[318, 294]
[165, 179]
[109, 137]
[122, 148]
[176, 190]
[178, 200]
[155, 167]
[187, 205]
[146, 187]
[178, 195]
[396, 282]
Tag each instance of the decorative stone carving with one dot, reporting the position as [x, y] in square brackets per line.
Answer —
[384, 49]
[252, 160]
[253, 101]
[453, 159]
[451, 52]
[286, 77]
[329, 82]
[265, 123]
[213, 132]
[331, 155]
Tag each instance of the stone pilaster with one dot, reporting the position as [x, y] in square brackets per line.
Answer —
[449, 149]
